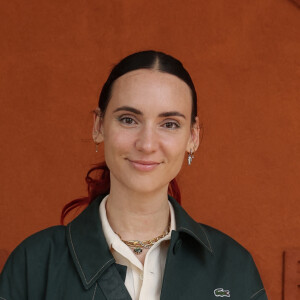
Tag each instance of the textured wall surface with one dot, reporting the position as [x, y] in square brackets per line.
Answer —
[244, 57]
[291, 272]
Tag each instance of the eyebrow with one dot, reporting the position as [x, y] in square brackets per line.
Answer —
[138, 112]
[172, 114]
[128, 108]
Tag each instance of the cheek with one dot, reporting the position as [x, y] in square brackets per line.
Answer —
[177, 149]
[175, 159]
[175, 145]
[118, 141]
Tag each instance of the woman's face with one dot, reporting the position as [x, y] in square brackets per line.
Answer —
[147, 129]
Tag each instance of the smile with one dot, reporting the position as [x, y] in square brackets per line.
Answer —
[143, 165]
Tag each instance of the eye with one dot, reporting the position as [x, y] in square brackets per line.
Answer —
[127, 120]
[171, 125]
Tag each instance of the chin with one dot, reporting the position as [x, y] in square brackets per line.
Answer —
[140, 184]
[143, 182]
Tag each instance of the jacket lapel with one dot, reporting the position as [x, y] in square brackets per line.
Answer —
[112, 285]
[87, 245]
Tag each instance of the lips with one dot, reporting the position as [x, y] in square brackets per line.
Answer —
[143, 165]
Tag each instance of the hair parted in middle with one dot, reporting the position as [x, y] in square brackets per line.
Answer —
[152, 60]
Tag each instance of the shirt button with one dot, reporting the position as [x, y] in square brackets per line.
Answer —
[141, 276]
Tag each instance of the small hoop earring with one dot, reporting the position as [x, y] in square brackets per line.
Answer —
[190, 157]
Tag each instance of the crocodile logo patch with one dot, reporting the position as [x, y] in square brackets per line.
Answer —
[221, 293]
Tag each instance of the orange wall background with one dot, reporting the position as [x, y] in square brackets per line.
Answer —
[244, 58]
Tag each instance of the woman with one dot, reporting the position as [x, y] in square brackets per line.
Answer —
[143, 245]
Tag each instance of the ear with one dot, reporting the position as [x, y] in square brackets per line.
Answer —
[194, 140]
[98, 127]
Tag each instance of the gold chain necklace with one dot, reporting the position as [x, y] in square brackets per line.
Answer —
[138, 246]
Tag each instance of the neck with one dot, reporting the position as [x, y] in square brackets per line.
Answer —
[137, 216]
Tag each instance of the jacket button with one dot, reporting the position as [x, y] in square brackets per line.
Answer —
[177, 245]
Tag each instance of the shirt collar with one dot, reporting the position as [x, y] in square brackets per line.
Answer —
[90, 251]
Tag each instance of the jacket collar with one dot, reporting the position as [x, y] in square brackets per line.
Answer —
[185, 224]
[89, 248]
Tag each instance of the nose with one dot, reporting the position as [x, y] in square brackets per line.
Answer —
[147, 140]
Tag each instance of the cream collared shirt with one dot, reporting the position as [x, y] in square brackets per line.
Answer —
[143, 282]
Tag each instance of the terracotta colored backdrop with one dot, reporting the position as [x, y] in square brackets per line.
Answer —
[244, 57]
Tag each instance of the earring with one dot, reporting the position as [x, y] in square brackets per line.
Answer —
[190, 157]
[97, 144]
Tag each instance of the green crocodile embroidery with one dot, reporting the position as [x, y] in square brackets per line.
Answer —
[221, 292]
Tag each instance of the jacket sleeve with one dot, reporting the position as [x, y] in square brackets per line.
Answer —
[13, 276]
[253, 281]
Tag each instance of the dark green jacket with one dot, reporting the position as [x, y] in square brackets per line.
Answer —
[74, 262]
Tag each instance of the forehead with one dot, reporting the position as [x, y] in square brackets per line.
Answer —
[145, 87]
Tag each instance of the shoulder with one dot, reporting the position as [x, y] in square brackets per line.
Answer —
[231, 255]
[40, 245]
[227, 249]
[37, 252]
[48, 237]
[221, 242]
[29, 264]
